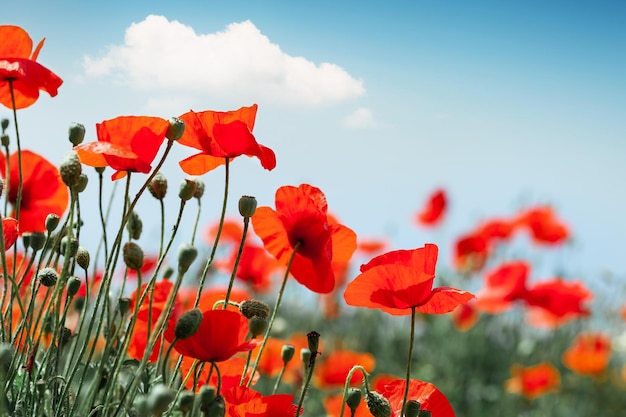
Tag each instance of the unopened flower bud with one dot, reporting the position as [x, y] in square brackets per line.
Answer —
[185, 401]
[82, 257]
[4, 140]
[26, 239]
[83, 180]
[247, 206]
[159, 399]
[52, 221]
[73, 247]
[133, 256]
[425, 413]
[48, 277]
[140, 405]
[305, 355]
[73, 285]
[176, 129]
[378, 405]
[217, 407]
[412, 408]
[257, 326]
[187, 189]
[134, 226]
[168, 272]
[76, 133]
[123, 305]
[37, 240]
[158, 186]
[353, 399]
[187, 253]
[206, 396]
[287, 353]
[70, 169]
[199, 189]
[251, 308]
[5, 124]
[188, 324]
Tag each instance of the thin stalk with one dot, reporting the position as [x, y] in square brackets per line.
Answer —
[408, 362]
[246, 222]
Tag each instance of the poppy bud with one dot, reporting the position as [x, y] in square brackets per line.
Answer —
[217, 407]
[185, 401]
[412, 409]
[186, 255]
[133, 256]
[37, 240]
[425, 413]
[5, 124]
[140, 405]
[73, 285]
[6, 356]
[123, 305]
[251, 308]
[65, 335]
[83, 180]
[247, 206]
[353, 399]
[257, 326]
[52, 221]
[79, 303]
[176, 129]
[314, 341]
[26, 239]
[4, 140]
[76, 133]
[287, 353]
[187, 189]
[134, 226]
[377, 404]
[206, 396]
[48, 277]
[70, 169]
[73, 247]
[168, 272]
[82, 257]
[188, 324]
[158, 186]
[199, 189]
[159, 399]
[305, 355]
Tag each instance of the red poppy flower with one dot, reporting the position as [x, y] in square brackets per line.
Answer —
[429, 397]
[464, 317]
[126, 144]
[221, 135]
[221, 334]
[18, 62]
[371, 247]
[43, 191]
[434, 210]
[399, 280]
[333, 369]
[246, 402]
[534, 381]
[589, 354]
[474, 248]
[503, 286]
[10, 229]
[554, 302]
[301, 217]
[544, 226]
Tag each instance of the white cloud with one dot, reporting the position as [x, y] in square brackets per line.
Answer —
[168, 56]
[361, 118]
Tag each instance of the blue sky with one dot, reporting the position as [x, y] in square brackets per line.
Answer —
[504, 105]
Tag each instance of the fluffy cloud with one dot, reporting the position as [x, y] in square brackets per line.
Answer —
[361, 118]
[240, 61]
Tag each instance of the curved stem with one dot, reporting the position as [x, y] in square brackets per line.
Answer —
[347, 385]
[246, 222]
[271, 323]
[408, 361]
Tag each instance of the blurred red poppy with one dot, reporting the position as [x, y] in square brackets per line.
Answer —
[126, 144]
[221, 135]
[589, 354]
[473, 249]
[221, 334]
[18, 63]
[425, 393]
[554, 302]
[10, 230]
[465, 316]
[301, 218]
[43, 191]
[434, 210]
[246, 402]
[544, 226]
[533, 381]
[503, 286]
[333, 369]
[400, 280]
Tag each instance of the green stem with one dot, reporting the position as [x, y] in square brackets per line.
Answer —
[246, 222]
[347, 385]
[408, 362]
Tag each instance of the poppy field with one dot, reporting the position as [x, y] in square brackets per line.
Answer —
[279, 310]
